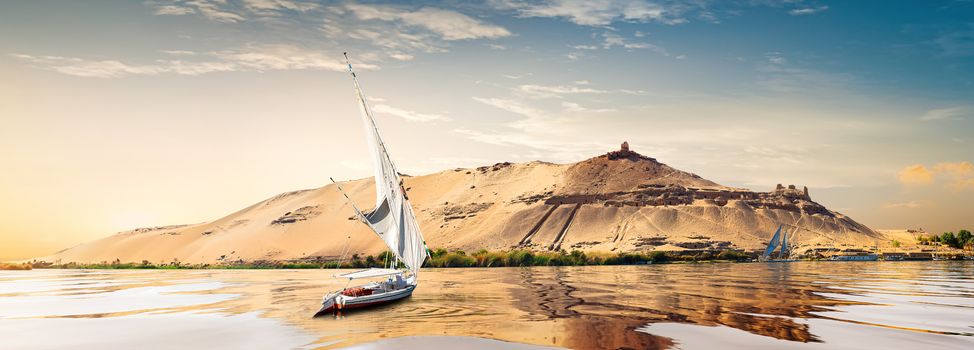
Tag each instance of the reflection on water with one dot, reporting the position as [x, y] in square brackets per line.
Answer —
[815, 305]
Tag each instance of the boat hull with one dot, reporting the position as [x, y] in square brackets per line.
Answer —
[336, 302]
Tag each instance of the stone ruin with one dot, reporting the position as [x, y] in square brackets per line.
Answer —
[652, 194]
[625, 153]
[792, 192]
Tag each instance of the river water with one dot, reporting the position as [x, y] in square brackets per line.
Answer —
[801, 305]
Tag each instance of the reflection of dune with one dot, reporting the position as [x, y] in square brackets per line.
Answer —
[635, 296]
[822, 305]
[546, 292]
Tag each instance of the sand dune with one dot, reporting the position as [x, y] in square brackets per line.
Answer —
[620, 201]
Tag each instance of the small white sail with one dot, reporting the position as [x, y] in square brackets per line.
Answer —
[392, 219]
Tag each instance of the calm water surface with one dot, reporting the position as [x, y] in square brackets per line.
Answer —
[805, 305]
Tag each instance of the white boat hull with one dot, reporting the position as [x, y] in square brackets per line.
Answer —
[337, 301]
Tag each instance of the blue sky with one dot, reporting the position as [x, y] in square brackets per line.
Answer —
[148, 105]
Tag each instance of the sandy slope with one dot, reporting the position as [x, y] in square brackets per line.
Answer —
[495, 207]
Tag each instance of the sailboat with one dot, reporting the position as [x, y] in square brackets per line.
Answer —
[779, 239]
[392, 220]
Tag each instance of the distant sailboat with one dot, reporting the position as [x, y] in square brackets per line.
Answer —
[780, 239]
[392, 220]
[785, 250]
[772, 245]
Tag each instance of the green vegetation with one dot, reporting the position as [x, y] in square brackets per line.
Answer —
[484, 258]
[962, 240]
[9, 266]
[439, 258]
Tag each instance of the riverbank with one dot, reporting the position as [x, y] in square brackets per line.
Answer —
[9, 266]
[441, 258]
[438, 258]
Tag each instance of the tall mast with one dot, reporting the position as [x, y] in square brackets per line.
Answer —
[393, 218]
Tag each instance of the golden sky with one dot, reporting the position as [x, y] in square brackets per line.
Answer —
[123, 115]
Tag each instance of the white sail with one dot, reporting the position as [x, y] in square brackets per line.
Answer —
[392, 219]
[773, 244]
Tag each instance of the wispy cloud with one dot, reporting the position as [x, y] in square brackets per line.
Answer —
[779, 74]
[951, 113]
[412, 116]
[212, 9]
[279, 5]
[179, 52]
[957, 175]
[610, 39]
[559, 91]
[804, 11]
[173, 10]
[916, 174]
[402, 56]
[450, 25]
[597, 13]
[511, 106]
[227, 11]
[398, 30]
[957, 43]
[903, 205]
[253, 58]
[572, 107]
[548, 148]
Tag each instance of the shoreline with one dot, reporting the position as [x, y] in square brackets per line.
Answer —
[450, 259]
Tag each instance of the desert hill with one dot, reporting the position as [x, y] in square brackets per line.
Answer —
[619, 201]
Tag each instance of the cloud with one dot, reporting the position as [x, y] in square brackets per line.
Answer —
[251, 58]
[229, 12]
[611, 39]
[779, 75]
[572, 107]
[179, 52]
[960, 175]
[585, 47]
[511, 106]
[957, 43]
[952, 113]
[89, 68]
[957, 175]
[916, 174]
[807, 11]
[409, 115]
[902, 205]
[173, 10]
[596, 13]
[559, 91]
[402, 56]
[397, 31]
[213, 9]
[539, 147]
[449, 25]
[279, 5]
[777, 154]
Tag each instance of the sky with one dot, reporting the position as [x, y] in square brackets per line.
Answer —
[125, 114]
